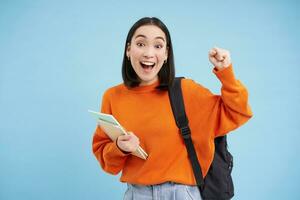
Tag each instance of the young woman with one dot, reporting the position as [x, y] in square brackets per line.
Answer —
[141, 104]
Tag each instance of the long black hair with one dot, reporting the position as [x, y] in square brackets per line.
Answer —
[166, 73]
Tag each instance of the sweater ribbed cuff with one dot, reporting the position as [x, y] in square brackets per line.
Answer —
[225, 75]
[123, 152]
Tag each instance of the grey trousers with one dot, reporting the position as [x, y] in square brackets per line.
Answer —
[164, 191]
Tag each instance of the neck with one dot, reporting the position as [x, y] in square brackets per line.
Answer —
[145, 83]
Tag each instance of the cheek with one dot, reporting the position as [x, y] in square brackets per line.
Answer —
[161, 57]
[136, 52]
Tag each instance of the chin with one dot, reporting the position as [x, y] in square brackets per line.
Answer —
[147, 79]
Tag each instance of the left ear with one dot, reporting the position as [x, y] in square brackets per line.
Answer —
[166, 53]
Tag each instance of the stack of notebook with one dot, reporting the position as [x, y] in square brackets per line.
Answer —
[113, 129]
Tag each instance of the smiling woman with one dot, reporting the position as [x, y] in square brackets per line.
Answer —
[141, 104]
[147, 52]
[148, 55]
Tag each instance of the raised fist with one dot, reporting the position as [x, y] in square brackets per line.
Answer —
[220, 58]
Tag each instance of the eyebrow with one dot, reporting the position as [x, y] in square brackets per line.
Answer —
[158, 37]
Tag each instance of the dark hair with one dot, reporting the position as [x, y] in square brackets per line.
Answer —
[166, 73]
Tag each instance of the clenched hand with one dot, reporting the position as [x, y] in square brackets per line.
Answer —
[220, 58]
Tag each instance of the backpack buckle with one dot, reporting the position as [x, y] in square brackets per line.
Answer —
[185, 132]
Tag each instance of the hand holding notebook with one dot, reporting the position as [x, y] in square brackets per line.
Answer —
[113, 129]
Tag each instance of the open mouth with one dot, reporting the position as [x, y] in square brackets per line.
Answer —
[147, 65]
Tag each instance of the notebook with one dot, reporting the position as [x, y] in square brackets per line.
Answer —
[113, 129]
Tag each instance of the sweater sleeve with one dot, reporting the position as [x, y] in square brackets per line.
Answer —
[227, 111]
[231, 108]
[110, 157]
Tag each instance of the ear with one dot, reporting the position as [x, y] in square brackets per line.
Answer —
[128, 50]
[166, 53]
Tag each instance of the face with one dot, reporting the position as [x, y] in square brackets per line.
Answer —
[147, 52]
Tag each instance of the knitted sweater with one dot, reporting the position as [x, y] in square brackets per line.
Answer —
[147, 113]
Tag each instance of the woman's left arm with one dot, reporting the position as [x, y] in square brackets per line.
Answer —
[233, 109]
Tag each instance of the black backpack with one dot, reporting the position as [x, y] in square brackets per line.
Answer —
[217, 184]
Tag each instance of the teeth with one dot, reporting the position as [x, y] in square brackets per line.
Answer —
[148, 63]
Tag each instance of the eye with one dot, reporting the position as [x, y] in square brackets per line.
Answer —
[140, 44]
[159, 46]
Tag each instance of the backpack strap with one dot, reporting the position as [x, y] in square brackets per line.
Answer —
[176, 100]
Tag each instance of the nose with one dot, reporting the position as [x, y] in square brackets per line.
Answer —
[149, 52]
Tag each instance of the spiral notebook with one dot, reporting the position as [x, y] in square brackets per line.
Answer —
[113, 129]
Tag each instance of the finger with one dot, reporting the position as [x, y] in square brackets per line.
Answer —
[131, 134]
[217, 49]
[220, 50]
[212, 52]
[213, 60]
[220, 56]
[134, 137]
[124, 137]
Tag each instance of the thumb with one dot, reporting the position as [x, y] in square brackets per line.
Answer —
[124, 137]
[130, 133]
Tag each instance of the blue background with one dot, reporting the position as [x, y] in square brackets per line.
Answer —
[58, 57]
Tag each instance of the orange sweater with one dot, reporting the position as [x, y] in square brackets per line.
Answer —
[147, 113]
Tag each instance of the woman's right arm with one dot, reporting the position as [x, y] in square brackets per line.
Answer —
[110, 157]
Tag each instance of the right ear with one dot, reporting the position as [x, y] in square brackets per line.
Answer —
[128, 49]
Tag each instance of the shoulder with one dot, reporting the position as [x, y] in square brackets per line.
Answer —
[114, 91]
[189, 86]
[187, 83]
